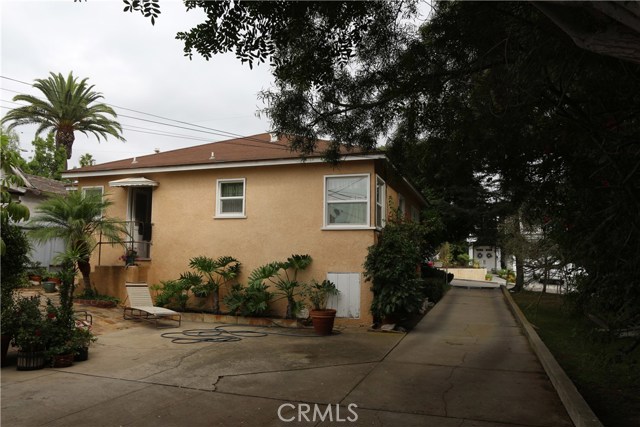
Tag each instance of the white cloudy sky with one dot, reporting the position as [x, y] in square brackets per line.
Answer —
[135, 65]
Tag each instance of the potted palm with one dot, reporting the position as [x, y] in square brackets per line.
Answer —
[321, 316]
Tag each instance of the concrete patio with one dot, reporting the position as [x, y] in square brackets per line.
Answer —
[467, 363]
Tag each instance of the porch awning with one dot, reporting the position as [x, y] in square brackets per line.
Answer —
[133, 182]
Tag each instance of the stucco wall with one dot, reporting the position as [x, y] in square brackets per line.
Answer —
[284, 216]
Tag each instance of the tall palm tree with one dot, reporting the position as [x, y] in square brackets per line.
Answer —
[77, 219]
[69, 106]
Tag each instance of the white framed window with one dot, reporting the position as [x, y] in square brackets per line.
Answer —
[346, 201]
[230, 198]
[97, 190]
[381, 197]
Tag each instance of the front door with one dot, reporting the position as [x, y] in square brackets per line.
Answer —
[140, 219]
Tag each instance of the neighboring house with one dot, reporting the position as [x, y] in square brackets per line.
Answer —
[35, 190]
[254, 199]
[486, 256]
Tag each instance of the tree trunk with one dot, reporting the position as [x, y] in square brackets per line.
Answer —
[519, 274]
[85, 269]
[216, 301]
[65, 138]
[289, 313]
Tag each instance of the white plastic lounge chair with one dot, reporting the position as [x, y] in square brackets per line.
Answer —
[139, 306]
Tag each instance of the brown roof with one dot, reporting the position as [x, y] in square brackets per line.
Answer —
[39, 184]
[244, 149]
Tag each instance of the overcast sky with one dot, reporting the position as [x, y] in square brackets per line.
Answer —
[135, 65]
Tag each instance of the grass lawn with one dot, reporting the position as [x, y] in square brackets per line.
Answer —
[606, 376]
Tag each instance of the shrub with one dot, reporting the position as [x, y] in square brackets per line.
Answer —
[392, 266]
[172, 294]
[15, 258]
[433, 289]
[284, 277]
[252, 300]
[463, 260]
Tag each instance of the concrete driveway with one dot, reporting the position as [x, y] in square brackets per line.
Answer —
[465, 364]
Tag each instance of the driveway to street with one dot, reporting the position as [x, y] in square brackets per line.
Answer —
[465, 364]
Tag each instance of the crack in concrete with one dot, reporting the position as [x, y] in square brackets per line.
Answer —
[215, 383]
[444, 393]
[178, 361]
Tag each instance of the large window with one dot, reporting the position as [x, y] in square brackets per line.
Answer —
[347, 201]
[381, 195]
[230, 198]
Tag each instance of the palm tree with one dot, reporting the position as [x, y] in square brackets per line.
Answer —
[78, 219]
[69, 107]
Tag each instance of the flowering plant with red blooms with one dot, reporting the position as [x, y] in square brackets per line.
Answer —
[29, 325]
[59, 326]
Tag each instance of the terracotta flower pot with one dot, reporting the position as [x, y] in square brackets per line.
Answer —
[323, 320]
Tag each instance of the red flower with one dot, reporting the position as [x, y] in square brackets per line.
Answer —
[51, 315]
[38, 332]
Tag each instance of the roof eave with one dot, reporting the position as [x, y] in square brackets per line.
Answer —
[209, 166]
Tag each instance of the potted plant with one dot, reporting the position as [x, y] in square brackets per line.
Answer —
[130, 256]
[54, 277]
[321, 316]
[29, 334]
[59, 329]
[81, 340]
[14, 261]
[35, 272]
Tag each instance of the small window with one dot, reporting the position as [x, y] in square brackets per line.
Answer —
[230, 198]
[381, 211]
[415, 214]
[347, 201]
[402, 206]
[97, 191]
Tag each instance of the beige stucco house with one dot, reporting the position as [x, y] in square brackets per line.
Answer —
[253, 199]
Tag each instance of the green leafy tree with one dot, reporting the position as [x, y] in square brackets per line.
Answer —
[48, 160]
[533, 113]
[68, 106]
[11, 210]
[79, 220]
